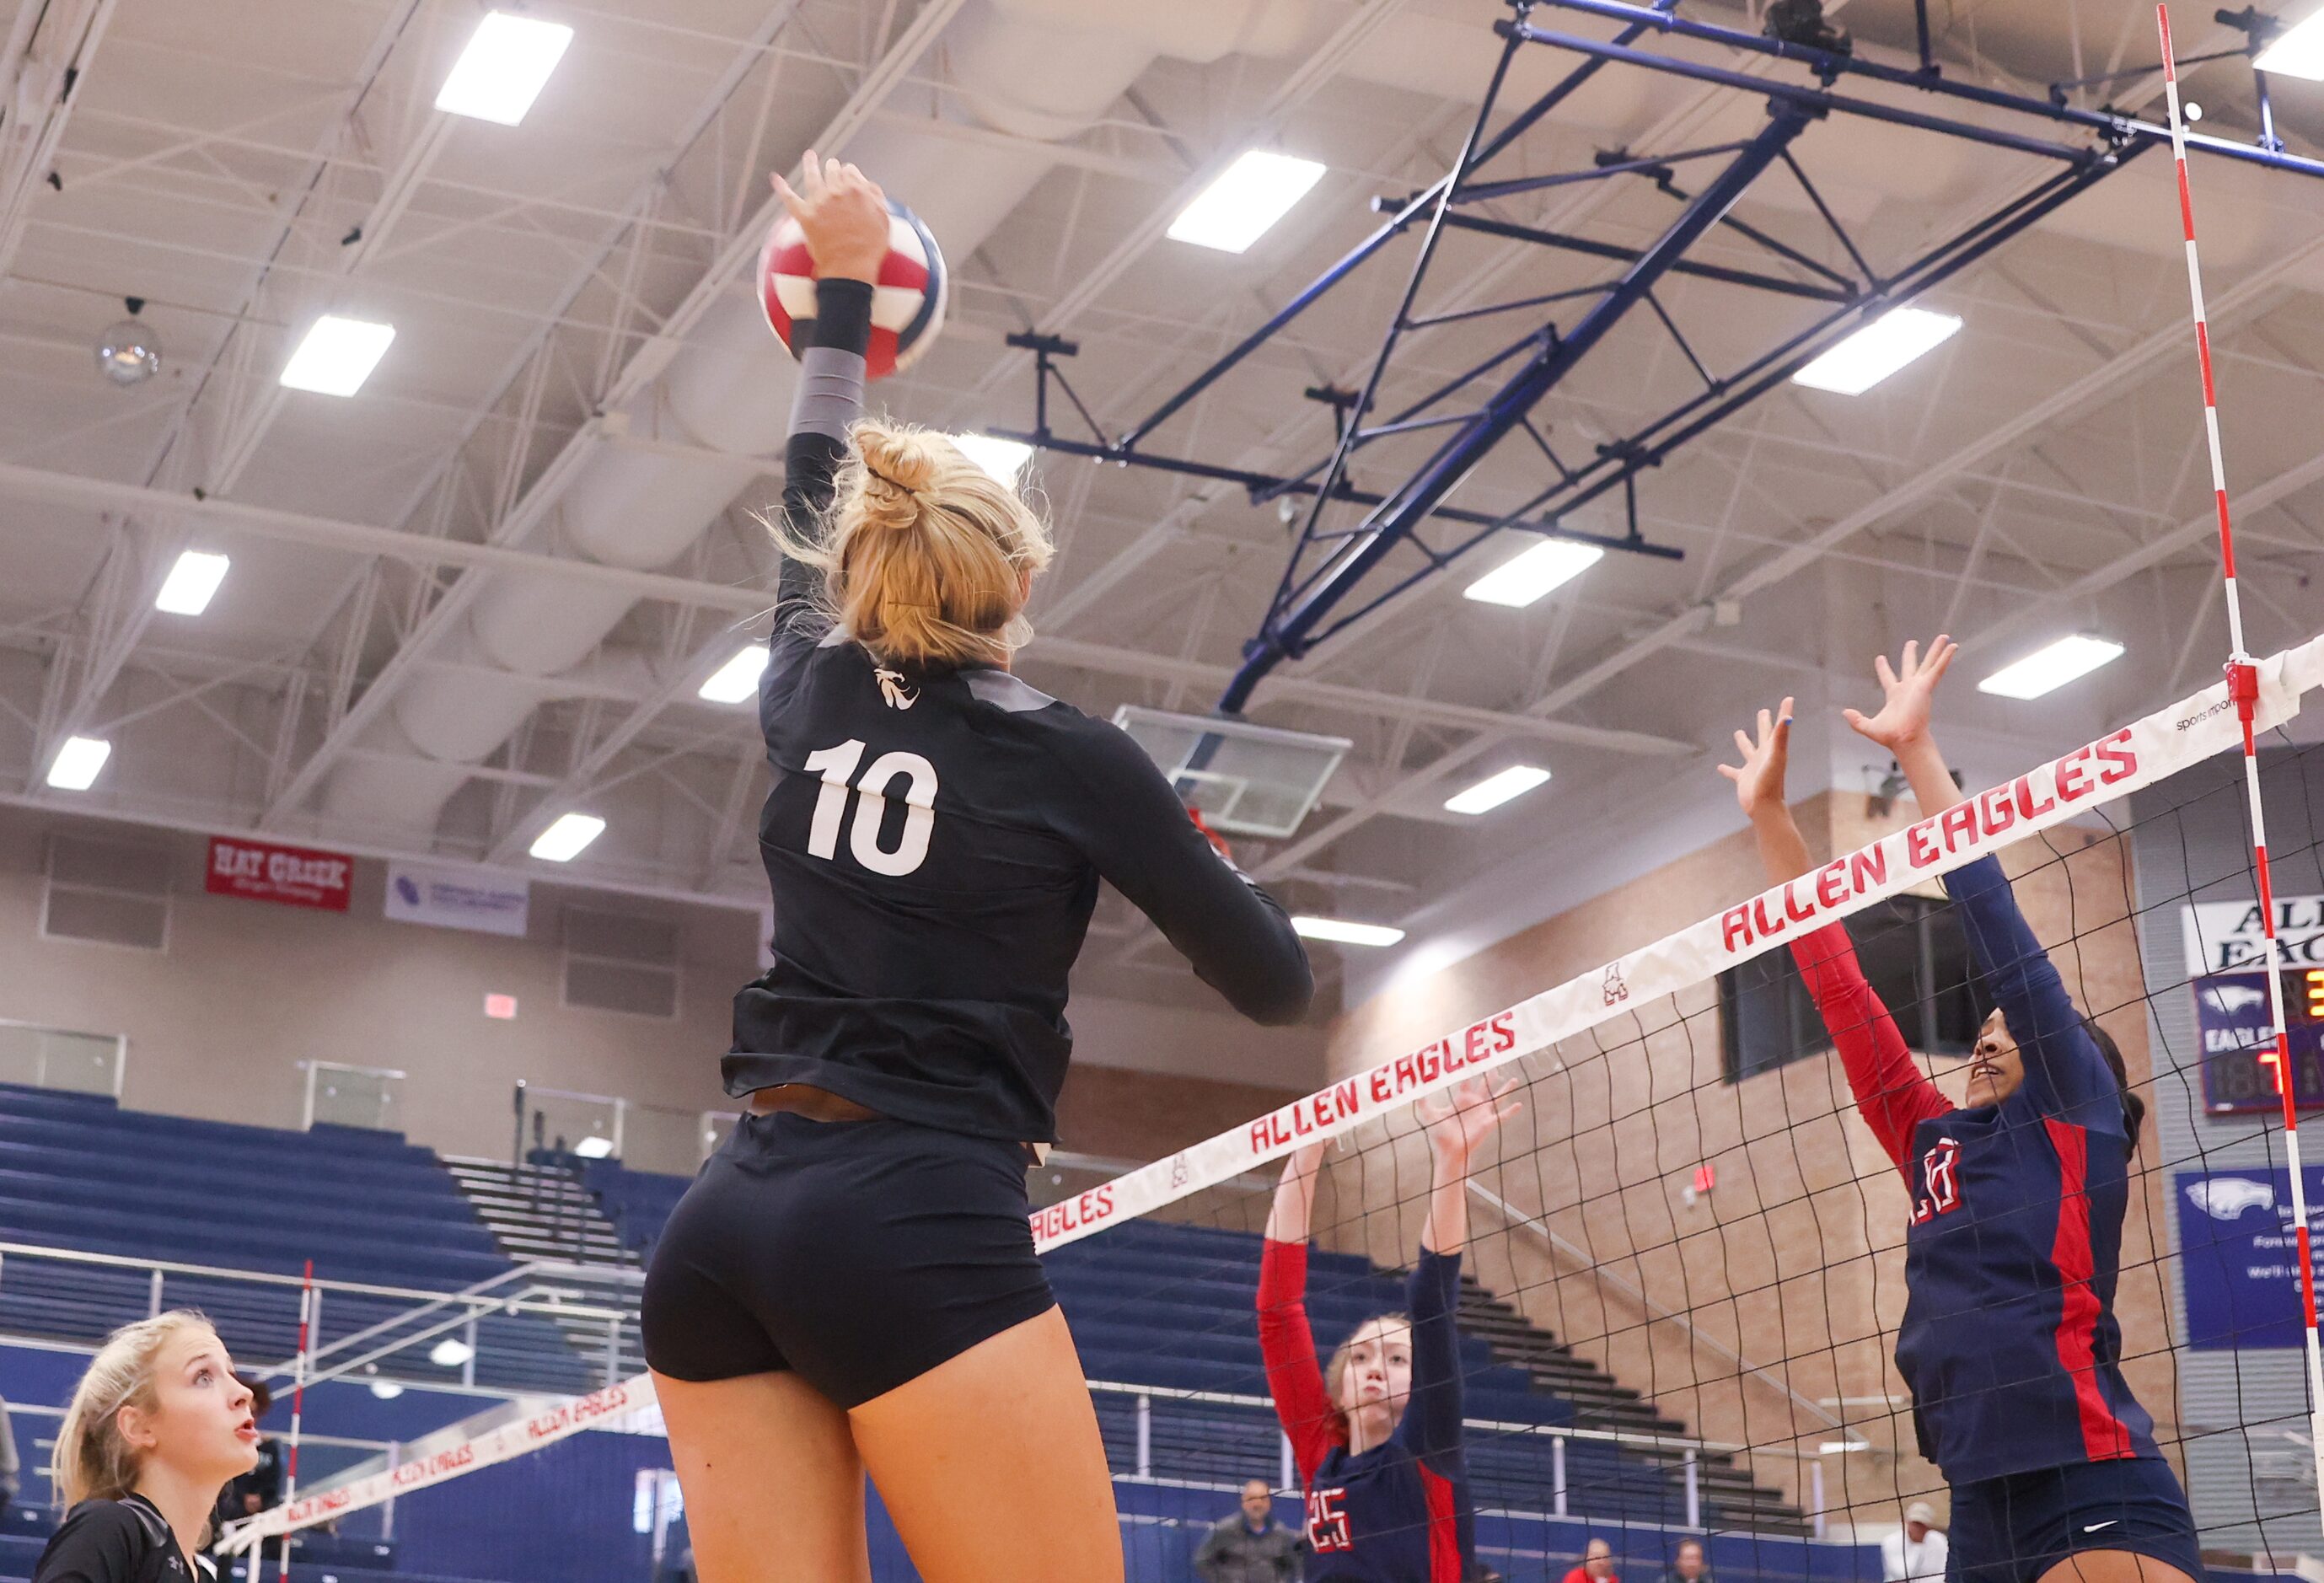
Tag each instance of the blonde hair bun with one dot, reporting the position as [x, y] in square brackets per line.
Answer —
[905, 458]
[927, 557]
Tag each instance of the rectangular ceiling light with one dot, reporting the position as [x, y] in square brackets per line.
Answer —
[75, 766]
[738, 678]
[1249, 195]
[1344, 933]
[192, 583]
[1003, 459]
[1532, 573]
[1879, 349]
[1496, 790]
[2046, 670]
[337, 355]
[2298, 51]
[563, 842]
[504, 67]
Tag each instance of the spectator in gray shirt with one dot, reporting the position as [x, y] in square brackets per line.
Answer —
[1688, 1565]
[1251, 1546]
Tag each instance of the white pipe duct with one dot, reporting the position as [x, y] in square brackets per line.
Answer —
[1035, 68]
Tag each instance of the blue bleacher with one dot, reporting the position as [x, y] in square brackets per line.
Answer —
[78, 1172]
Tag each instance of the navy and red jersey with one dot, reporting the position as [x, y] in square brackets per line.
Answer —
[2009, 1343]
[1398, 1512]
[935, 839]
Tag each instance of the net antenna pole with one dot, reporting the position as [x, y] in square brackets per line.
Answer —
[2243, 687]
[298, 1406]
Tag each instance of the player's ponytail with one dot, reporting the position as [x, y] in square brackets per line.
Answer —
[927, 557]
[93, 1459]
[2133, 1108]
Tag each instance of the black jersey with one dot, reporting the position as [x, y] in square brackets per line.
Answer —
[127, 1541]
[935, 839]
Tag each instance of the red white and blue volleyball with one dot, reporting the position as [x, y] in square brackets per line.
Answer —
[908, 300]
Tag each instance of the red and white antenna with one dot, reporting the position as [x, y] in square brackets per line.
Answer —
[2243, 687]
[299, 1367]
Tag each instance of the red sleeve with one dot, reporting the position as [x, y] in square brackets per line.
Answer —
[1288, 1347]
[1891, 1090]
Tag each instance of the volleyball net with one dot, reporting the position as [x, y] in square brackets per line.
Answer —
[1686, 1259]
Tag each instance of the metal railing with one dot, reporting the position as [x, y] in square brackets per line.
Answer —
[1691, 1451]
[62, 1059]
[553, 1124]
[382, 1349]
[338, 1095]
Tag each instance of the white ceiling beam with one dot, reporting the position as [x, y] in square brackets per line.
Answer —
[50, 52]
[645, 365]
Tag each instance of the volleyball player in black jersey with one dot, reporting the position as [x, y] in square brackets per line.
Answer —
[157, 1426]
[851, 1286]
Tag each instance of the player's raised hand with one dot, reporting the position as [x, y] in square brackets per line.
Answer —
[1759, 778]
[1463, 1116]
[844, 216]
[1910, 689]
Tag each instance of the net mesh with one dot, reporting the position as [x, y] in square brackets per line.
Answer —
[1685, 1262]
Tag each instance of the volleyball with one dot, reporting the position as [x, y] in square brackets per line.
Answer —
[908, 300]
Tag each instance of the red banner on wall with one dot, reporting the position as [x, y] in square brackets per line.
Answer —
[294, 876]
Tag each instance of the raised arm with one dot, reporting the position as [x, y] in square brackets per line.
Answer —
[1890, 1089]
[844, 216]
[2063, 1068]
[1131, 825]
[1458, 1120]
[1286, 1342]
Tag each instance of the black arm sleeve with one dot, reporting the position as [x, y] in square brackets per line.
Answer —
[101, 1542]
[830, 399]
[1130, 825]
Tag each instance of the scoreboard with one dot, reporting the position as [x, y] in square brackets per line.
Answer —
[2237, 1029]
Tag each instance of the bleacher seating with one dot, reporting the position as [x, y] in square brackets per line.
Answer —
[638, 1202]
[1166, 1305]
[78, 1172]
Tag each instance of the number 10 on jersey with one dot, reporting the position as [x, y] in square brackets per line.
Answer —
[837, 768]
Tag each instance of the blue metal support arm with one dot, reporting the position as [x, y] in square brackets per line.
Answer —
[1298, 609]
[1828, 65]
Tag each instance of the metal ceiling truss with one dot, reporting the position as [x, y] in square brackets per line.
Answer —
[1330, 563]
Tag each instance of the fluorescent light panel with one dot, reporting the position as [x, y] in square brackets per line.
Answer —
[337, 355]
[1496, 790]
[2046, 670]
[1532, 573]
[2299, 52]
[503, 68]
[1342, 932]
[595, 1148]
[1249, 197]
[76, 763]
[738, 678]
[564, 841]
[1898, 337]
[1003, 459]
[192, 583]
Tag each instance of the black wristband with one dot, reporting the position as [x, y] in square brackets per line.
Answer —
[843, 314]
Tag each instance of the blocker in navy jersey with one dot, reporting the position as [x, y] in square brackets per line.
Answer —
[934, 841]
[1399, 1512]
[2010, 1341]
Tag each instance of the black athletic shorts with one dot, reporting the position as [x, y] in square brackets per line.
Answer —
[2013, 1530]
[858, 1253]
